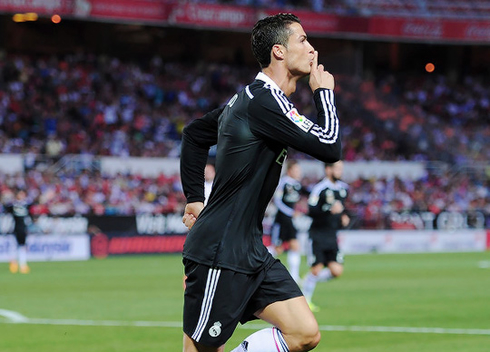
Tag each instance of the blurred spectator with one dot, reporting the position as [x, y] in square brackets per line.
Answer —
[371, 201]
[95, 105]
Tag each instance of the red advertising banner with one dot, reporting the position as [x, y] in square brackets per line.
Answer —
[433, 29]
[322, 23]
[174, 13]
[140, 10]
[206, 15]
[38, 6]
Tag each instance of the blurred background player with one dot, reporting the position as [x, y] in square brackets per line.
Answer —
[19, 209]
[283, 232]
[326, 208]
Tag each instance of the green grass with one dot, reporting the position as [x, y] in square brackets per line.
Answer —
[445, 291]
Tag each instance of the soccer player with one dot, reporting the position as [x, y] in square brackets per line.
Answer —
[283, 232]
[231, 276]
[326, 208]
[20, 211]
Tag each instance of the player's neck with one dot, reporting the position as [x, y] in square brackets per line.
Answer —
[284, 80]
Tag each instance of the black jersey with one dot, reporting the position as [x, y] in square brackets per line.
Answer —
[20, 213]
[324, 225]
[252, 132]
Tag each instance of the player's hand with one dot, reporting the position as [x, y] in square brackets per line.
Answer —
[337, 207]
[345, 220]
[191, 212]
[319, 78]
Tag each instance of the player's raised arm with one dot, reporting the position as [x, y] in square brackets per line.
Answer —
[287, 125]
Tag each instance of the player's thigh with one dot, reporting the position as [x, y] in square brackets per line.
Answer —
[192, 346]
[279, 301]
[21, 237]
[319, 253]
[335, 261]
[315, 269]
[294, 245]
[215, 300]
[336, 268]
[288, 231]
[285, 315]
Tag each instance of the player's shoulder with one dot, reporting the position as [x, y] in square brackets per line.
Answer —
[342, 184]
[320, 186]
[266, 95]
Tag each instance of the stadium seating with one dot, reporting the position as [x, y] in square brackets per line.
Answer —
[95, 106]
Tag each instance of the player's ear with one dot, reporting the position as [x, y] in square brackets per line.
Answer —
[278, 52]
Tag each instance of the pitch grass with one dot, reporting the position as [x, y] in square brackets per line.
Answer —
[446, 291]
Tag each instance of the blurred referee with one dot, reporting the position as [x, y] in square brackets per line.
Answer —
[231, 276]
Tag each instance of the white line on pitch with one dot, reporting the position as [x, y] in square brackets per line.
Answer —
[484, 264]
[16, 318]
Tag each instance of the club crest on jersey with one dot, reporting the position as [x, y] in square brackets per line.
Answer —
[299, 120]
[215, 330]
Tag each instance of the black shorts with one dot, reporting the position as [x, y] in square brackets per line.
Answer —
[215, 299]
[326, 253]
[21, 236]
[283, 231]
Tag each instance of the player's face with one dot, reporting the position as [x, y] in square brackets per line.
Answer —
[299, 51]
[295, 172]
[337, 170]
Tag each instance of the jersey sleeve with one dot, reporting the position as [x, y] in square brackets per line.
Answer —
[316, 202]
[197, 138]
[274, 117]
[279, 200]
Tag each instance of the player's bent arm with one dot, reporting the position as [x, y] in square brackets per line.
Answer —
[278, 200]
[274, 117]
[191, 213]
[197, 138]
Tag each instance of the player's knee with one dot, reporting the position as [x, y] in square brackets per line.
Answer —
[312, 341]
[336, 269]
[315, 270]
[307, 339]
[337, 272]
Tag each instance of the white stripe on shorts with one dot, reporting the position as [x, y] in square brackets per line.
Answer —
[207, 303]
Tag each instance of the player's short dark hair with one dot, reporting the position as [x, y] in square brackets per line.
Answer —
[268, 32]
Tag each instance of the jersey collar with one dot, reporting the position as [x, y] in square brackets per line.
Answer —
[263, 77]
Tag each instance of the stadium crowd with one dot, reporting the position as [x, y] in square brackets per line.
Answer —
[370, 202]
[96, 105]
